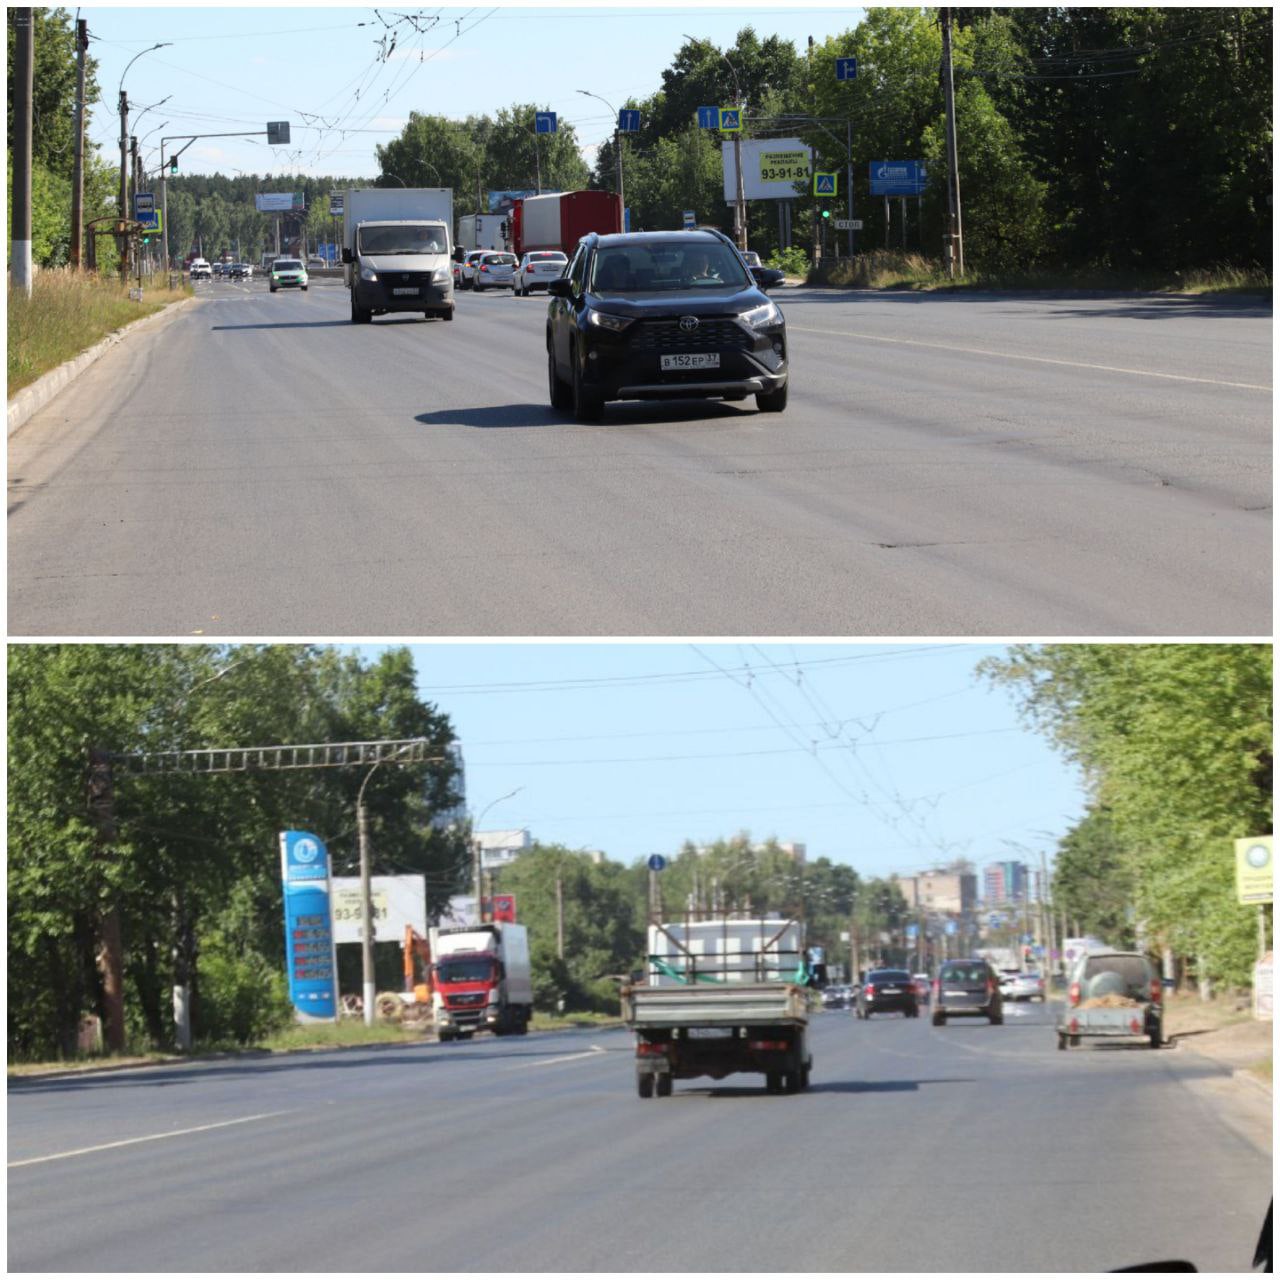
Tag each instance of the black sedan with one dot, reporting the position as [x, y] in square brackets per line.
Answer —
[886, 991]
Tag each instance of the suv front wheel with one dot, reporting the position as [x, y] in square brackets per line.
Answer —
[588, 405]
[772, 401]
[561, 395]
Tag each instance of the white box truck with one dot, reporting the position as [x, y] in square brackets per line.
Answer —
[396, 249]
[481, 231]
[480, 979]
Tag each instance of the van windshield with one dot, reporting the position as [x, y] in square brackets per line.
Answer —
[403, 239]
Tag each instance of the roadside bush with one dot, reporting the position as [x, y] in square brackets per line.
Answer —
[243, 997]
[880, 269]
[792, 261]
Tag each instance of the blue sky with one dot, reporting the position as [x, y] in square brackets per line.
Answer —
[886, 757]
[230, 69]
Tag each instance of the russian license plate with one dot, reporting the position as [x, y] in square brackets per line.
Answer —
[709, 1033]
[891, 991]
[399, 292]
[708, 361]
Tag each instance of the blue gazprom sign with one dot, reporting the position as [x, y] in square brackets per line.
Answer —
[898, 178]
[308, 925]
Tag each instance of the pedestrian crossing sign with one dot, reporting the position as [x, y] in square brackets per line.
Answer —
[824, 184]
[730, 120]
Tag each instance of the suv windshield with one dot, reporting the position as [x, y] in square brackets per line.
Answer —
[407, 239]
[963, 973]
[889, 975]
[664, 268]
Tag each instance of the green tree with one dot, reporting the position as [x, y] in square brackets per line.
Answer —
[433, 151]
[1175, 742]
[514, 154]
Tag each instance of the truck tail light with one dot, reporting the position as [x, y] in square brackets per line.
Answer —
[1073, 994]
[765, 1046]
[1155, 990]
[870, 989]
[651, 1049]
[937, 987]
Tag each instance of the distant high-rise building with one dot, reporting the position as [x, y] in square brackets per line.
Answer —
[501, 848]
[1004, 882]
[949, 891]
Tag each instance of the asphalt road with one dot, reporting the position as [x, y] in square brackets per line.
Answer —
[961, 1148]
[975, 465]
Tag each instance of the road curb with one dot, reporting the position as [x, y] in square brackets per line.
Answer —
[1242, 1074]
[31, 399]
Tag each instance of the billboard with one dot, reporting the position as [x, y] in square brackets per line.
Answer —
[397, 901]
[502, 201]
[771, 167]
[308, 932]
[279, 201]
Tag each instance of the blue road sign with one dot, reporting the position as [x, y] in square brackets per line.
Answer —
[629, 120]
[544, 122]
[730, 120]
[824, 184]
[708, 117]
[656, 862]
[898, 178]
[846, 68]
[912, 930]
[951, 928]
[690, 219]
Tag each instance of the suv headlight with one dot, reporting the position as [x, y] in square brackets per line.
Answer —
[440, 275]
[762, 317]
[614, 324]
[368, 273]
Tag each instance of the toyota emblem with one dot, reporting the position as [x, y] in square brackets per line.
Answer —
[688, 323]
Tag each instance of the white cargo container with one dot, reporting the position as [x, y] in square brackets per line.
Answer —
[396, 251]
[481, 231]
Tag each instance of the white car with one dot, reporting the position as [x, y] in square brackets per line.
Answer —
[200, 269]
[537, 269]
[494, 271]
[467, 267]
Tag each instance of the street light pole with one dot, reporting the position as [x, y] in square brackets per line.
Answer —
[122, 212]
[476, 850]
[617, 140]
[740, 207]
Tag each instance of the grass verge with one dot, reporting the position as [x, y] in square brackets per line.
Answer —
[887, 269]
[67, 313]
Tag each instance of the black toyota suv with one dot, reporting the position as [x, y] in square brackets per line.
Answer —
[662, 315]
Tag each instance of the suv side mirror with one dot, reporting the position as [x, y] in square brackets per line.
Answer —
[560, 287]
[346, 254]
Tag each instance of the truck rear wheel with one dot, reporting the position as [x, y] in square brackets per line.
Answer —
[773, 1081]
[1075, 1042]
[644, 1085]
[1062, 1042]
[664, 1086]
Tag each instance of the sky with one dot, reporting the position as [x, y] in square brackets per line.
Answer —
[885, 757]
[232, 69]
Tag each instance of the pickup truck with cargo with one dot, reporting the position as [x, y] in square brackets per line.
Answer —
[720, 997]
[1111, 994]
[396, 247]
[481, 979]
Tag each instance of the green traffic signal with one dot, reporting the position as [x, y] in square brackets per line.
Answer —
[826, 213]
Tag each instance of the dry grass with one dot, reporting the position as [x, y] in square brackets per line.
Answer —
[888, 269]
[67, 313]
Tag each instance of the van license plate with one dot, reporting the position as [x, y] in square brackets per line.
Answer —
[711, 361]
[400, 292]
[709, 1033]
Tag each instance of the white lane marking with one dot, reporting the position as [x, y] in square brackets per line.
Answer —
[571, 1057]
[153, 1137]
[1009, 355]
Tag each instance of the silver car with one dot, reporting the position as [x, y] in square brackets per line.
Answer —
[537, 269]
[495, 271]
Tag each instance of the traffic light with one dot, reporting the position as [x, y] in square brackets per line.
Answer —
[173, 164]
[502, 228]
[826, 213]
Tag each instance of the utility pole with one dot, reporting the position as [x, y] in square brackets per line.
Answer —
[77, 175]
[23, 84]
[559, 912]
[122, 210]
[953, 247]
[109, 953]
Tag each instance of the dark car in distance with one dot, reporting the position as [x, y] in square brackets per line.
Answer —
[967, 988]
[662, 315]
[886, 991]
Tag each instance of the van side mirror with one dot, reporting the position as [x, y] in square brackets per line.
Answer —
[346, 254]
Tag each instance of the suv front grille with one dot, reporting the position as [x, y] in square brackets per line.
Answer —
[710, 335]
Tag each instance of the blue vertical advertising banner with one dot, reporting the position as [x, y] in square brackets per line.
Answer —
[308, 926]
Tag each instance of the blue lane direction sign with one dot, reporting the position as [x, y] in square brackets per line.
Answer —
[708, 117]
[898, 177]
[846, 68]
[824, 184]
[656, 862]
[730, 120]
[629, 120]
[544, 122]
